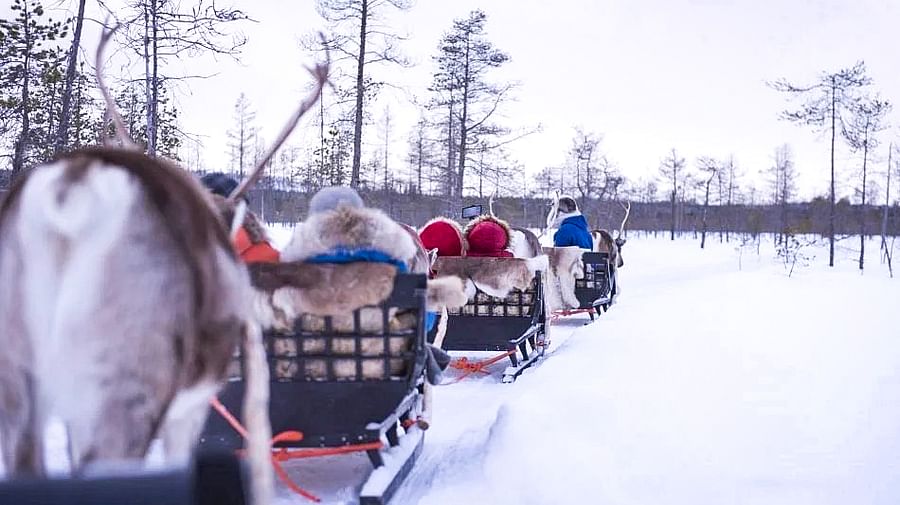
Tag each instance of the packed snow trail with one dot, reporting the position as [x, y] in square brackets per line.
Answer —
[724, 386]
[703, 384]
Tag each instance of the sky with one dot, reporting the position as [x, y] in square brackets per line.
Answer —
[648, 75]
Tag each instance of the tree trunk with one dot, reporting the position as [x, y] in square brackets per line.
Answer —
[148, 83]
[321, 137]
[66, 112]
[421, 149]
[450, 152]
[387, 144]
[862, 220]
[461, 172]
[887, 201]
[831, 215]
[705, 209]
[360, 90]
[153, 126]
[674, 211]
[242, 147]
[21, 147]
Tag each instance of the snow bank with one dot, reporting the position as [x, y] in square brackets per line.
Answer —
[704, 385]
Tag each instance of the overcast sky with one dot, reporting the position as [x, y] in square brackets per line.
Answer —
[649, 75]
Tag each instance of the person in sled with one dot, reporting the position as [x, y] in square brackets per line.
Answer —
[572, 227]
[251, 243]
[339, 228]
[488, 237]
[445, 236]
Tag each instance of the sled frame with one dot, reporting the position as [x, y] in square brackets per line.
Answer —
[515, 324]
[344, 413]
[596, 291]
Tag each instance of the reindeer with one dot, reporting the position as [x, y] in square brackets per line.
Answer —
[121, 305]
[605, 243]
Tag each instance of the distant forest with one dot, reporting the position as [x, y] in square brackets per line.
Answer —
[285, 207]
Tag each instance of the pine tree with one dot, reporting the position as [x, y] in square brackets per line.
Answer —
[28, 58]
[465, 57]
[242, 135]
[359, 34]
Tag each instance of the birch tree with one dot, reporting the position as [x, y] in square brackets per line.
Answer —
[158, 31]
[709, 167]
[826, 102]
[886, 250]
[62, 131]
[672, 171]
[867, 119]
[360, 34]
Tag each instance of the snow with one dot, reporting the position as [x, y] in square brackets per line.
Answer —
[713, 379]
[706, 383]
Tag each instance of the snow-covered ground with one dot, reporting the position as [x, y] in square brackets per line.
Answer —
[704, 384]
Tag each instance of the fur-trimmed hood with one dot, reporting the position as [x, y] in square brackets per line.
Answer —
[488, 236]
[562, 216]
[445, 235]
[487, 218]
[350, 228]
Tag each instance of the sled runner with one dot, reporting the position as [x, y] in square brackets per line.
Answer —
[596, 290]
[501, 315]
[342, 384]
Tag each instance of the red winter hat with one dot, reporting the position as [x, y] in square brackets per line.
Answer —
[444, 235]
[488, 236]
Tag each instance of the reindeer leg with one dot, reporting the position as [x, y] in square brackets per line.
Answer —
[119, 424]
[184, 422]
[21, 442]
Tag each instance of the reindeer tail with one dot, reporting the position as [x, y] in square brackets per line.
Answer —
[52, 201]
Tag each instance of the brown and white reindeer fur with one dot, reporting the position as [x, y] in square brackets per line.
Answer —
[566, 266]
[121, 303]
[524, 243]
[605, 243]
[493, 276]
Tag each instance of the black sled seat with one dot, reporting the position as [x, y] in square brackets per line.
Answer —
[514, 325]
[213, 478]
[596, 290]
[347, 388]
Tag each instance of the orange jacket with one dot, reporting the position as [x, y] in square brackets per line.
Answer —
[260, 252]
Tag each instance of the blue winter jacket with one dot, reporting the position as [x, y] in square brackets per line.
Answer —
[573, 231]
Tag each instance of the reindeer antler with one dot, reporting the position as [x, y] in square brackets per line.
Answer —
[320, 73]
[627, 207]
[554, 210]
[491, 203]
[112, 112]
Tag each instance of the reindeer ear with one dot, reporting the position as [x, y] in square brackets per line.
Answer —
[620, 242]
